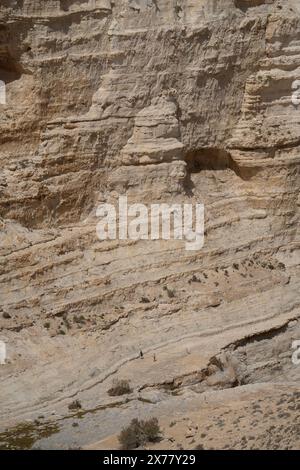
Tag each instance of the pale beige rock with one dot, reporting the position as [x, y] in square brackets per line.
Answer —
[162, 101]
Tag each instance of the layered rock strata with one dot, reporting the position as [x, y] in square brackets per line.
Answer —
[170, 101]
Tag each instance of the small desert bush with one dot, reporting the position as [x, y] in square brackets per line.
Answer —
[199, 447]
[170, 292]
[80, 320]
[75, 405]
[139, 433]
[151, 429]
[120, 387]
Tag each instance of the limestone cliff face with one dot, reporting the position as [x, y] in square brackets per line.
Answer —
[162, 100]
[79, 74]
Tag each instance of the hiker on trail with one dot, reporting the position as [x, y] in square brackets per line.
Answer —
[154, 357]
[141, 354]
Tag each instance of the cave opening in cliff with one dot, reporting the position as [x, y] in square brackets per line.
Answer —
[209, 158]
[8, 72]
[10, 69]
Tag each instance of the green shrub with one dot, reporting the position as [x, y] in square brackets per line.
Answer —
[75, 405]
[151, 429]
[120, 387]
[139, 433]
[131, 437]
[79, 319]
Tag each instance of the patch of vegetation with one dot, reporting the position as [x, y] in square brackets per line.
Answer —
[138, 433]
[194, 278]
[75, 405]
[170, 292]
[120, 387]
[66, 321]
[24, 435]
[79, 319]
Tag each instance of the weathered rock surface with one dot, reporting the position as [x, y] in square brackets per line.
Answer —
[161, 100]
